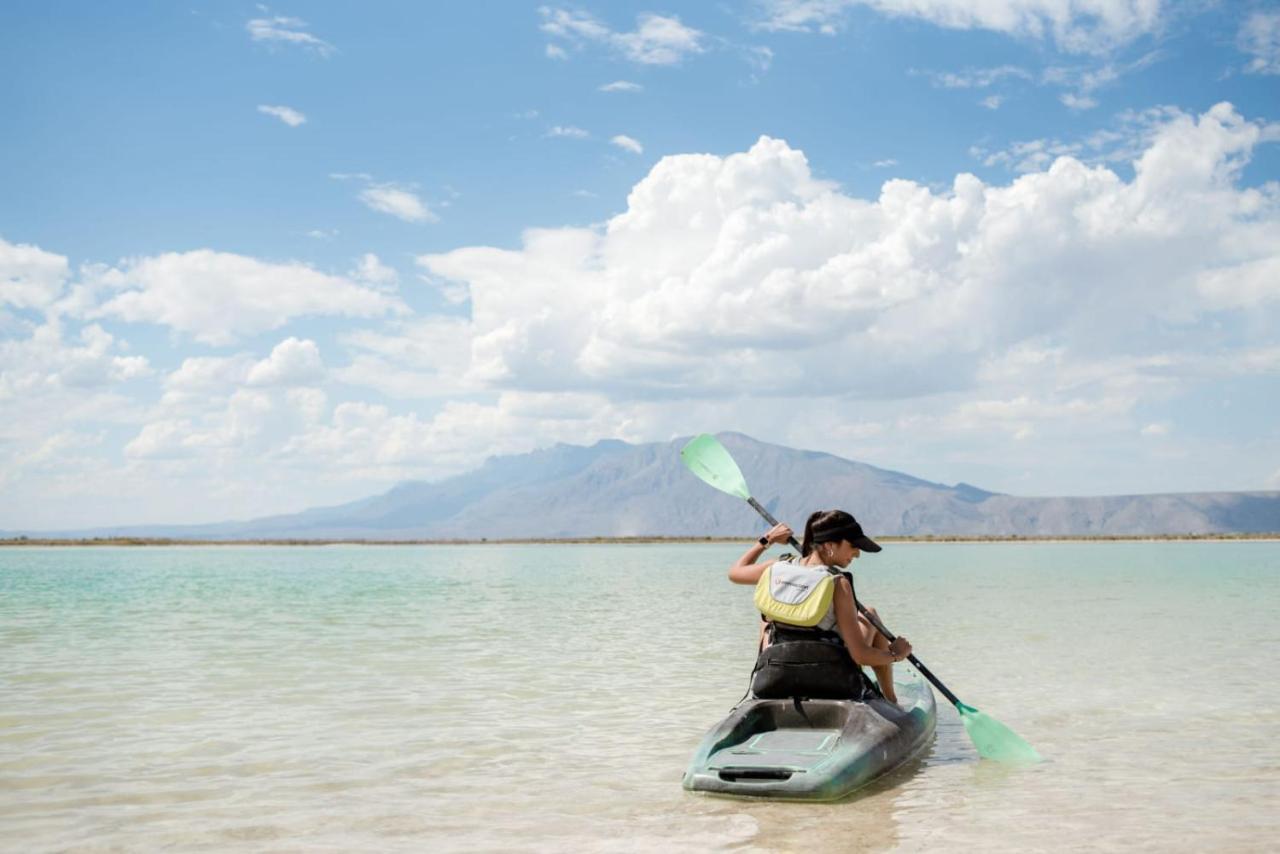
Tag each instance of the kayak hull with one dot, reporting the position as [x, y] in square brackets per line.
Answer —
[820, 750]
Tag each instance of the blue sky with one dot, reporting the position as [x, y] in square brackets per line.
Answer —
[257, 258]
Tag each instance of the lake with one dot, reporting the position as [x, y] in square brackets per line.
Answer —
[548, 697]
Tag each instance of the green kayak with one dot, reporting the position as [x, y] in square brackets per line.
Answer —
[814, 750]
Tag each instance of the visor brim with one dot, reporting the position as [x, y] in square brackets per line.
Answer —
[866, 544]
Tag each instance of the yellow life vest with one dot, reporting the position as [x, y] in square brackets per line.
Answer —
[794, 594]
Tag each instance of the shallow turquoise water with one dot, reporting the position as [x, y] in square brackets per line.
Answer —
[547, 698]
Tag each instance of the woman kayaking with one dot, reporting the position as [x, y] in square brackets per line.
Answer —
[814, 641]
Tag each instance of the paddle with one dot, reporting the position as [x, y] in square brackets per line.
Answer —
[708, 459]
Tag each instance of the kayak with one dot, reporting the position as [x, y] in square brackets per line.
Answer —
[812, 750]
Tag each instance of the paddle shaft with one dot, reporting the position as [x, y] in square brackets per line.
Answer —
[872, 618]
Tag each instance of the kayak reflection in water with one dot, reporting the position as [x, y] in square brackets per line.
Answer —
[814, 642]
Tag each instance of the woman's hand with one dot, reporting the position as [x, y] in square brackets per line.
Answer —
[779, 533]
[901, 648]
[746, 570]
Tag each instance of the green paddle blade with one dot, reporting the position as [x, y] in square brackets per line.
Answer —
[993, 739]
[707, 458]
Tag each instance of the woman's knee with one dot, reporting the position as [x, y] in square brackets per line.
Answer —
[870, 632]
[874, 613]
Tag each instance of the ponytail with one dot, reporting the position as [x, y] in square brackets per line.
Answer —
[807, 545]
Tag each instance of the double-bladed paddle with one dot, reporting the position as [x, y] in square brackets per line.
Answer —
[712, 463]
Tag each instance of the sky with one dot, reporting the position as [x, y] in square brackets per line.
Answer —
[259, 258]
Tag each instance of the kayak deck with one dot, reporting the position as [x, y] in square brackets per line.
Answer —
[820, 750]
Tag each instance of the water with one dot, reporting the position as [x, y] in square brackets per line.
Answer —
[546, 698]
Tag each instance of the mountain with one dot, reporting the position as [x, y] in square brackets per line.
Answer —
[614, 489]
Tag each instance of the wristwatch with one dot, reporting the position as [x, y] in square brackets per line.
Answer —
[764, 541]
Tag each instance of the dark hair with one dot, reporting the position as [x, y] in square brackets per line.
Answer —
[826, 526]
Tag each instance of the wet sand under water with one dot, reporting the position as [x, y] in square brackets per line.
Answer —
[547, 698]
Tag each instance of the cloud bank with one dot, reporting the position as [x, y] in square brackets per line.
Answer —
[726, 267]
[731, 291]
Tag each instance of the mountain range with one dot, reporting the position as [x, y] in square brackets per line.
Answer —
[616, 489]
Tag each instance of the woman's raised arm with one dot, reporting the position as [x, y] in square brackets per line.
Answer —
[746, 570]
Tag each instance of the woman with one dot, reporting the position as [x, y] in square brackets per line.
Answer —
[832, 540]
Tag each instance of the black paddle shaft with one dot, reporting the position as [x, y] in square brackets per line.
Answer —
[872, 618]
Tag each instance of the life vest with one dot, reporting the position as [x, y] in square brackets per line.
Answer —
[797, 595]
[805, 657]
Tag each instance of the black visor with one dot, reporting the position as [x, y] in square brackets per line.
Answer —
[852, 533]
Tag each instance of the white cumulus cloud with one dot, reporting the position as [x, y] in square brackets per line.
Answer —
[288, 115]
[1250, 282]
[626, 143]
[201, 374]
[219, 296]
[977, 78]
[622, 86]
[1260, 38]
[567, 132]
[1072, 101]
[726, 267]
[168, 439]
[1074, 25]
[415, 358]
[292, 362]
[374, 440]
[398, 202]
[50, 361]
[371, 270]
[656, 40]
[1124, 141]
[236, 429]
[29, 276]
[282, 29]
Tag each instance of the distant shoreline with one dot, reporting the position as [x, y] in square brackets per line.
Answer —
[19, 542]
